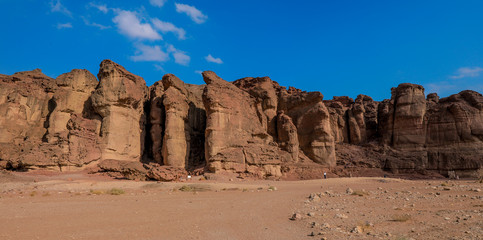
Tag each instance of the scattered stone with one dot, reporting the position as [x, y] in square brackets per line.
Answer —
[357, 229]
[296, 216]
[340, 215]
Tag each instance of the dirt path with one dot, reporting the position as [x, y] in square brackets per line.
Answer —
[81, 207]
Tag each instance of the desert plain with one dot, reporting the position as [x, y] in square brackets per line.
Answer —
[77, 205]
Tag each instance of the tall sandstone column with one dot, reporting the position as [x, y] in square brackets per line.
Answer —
[119, 100]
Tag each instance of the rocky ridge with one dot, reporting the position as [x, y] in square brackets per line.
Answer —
[251, 127]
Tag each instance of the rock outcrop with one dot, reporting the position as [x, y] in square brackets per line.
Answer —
[252, 126]
[311, 117]
[52, 129]
[236, 131]
[119, 100]
[306, 111]
[72, 96]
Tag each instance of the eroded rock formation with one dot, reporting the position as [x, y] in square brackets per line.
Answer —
[236, 131]
[251, 126]
[119, 99]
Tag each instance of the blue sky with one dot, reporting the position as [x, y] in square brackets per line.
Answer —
[335, 47]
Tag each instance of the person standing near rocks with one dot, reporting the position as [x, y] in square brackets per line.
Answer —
[325, 175]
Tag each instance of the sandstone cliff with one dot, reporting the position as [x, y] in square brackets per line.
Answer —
[252, 126]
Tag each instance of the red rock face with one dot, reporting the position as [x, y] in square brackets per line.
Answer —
[236, 131]
[454, 135]
[50, 130]
[432, 135]
[252, 126]
[305, 111]
[119, 100]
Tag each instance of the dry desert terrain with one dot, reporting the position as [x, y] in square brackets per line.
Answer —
[82, 206]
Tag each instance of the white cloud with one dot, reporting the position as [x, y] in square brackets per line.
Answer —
[198, 72]
[157, 3]
[464, 72]
[102, 8]
[145, 53]
[159, 67]
[446, 88]
[196, 15]
[56, 6]
[93, 24]
[210, 58]
[64, 25]
[130, 25]
[180, 57]
[439, 87]
[165, 27]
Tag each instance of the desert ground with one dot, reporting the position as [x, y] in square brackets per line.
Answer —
[45, 205]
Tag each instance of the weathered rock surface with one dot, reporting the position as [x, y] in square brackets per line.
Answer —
[251, 126]
[311, 117]
[287, 135]
[236, 136]
[72, 96]
[305, 111]
[363, 120]
[24, 105]
[178, 121]
[52, 132]
[119, 99]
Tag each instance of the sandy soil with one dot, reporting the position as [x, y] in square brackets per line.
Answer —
[80, 206]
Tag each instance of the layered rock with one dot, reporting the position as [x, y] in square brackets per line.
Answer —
[362, 119]
[72, 127]
[266, 92]
[454, 135]
[236, 138]
[157, 116]
[119, 100]
[178, 122]
[306, 111]
[24, 105]
[287, 135]
[184, 125]
[433, 134]
[251, 126]
[338, 110]
[406, 117]
[72, 96]
[24, 111]
[311, 117]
